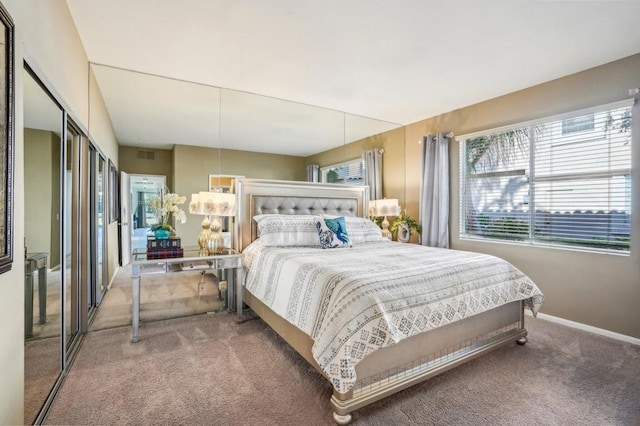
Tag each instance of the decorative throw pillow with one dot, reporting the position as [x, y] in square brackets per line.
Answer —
[332, 232]
[361, 229]
[287, 230]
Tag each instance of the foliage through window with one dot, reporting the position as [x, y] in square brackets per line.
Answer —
[349, 172]
[562, 181]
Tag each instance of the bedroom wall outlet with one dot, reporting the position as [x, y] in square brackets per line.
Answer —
[634, 92]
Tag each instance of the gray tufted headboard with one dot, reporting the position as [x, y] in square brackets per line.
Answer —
[259, 196]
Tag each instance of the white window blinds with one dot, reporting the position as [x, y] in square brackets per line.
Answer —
[349, 172]
[562, 181]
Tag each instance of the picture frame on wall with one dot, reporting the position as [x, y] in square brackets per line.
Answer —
[114, 200]
[7, 134]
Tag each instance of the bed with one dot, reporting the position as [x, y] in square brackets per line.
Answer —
[361, 315]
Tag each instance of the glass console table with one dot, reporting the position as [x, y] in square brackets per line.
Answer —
[193, 259]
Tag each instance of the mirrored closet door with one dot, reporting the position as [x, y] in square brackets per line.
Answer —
[59, 252]
[43, 133]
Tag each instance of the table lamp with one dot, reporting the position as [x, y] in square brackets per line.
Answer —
[213, 205]
[384, 207]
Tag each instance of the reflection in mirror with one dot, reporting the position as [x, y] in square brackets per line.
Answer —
[97, 284]
[42, 165]
[225, 184]
[71, 217]
[149, 111]
[157, 112]
[186, 131]
[257, 123]
[387, 139]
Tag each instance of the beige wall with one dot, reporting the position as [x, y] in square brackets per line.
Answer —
[193, 165]
[160, 165]
[599, 290]
[46, 37]
[12, 282]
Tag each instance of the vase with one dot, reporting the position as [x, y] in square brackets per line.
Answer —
[162, 234]
[404, 233]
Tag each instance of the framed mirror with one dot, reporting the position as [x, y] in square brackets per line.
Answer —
[7, 118]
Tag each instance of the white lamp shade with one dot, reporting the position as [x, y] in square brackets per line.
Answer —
[213, 203]
[385, 207]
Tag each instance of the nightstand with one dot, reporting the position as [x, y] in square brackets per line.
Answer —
[192, 259]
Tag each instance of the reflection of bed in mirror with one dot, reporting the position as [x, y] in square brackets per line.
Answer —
[410, 347]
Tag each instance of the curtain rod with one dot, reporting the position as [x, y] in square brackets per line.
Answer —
[449, 135]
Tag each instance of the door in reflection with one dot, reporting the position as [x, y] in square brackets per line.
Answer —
[43, 363]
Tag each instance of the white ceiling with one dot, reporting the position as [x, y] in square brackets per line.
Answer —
[400, 61]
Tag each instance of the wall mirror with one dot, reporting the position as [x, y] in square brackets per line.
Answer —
[212, 130]
[157, 112]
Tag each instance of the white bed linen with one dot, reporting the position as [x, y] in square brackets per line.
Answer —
[352, 301]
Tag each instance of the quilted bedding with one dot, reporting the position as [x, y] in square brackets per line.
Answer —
[352, 301]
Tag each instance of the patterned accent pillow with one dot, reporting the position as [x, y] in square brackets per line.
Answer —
[361, 229]
[287, 230]
[332, 232]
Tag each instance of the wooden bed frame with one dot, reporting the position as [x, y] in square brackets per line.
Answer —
[389, 369]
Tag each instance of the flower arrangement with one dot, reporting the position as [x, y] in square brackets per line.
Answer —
[166, 207]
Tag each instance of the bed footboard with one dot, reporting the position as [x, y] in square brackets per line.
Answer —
[413, 360]
[429, 354]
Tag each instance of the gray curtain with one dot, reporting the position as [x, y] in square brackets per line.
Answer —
[434, 191]
[373, 172]
[313, 173]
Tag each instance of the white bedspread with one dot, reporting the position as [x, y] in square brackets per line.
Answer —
[352, 301]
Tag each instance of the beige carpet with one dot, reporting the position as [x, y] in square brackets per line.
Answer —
[208, 370]
[41, 370]
[162, 296]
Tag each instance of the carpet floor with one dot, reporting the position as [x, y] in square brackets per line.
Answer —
[208, 370]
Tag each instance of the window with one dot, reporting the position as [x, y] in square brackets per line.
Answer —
[578, 124]
[349, 172]
[562, 181]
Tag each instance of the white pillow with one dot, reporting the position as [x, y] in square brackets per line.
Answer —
[287, 230]
[361, 229]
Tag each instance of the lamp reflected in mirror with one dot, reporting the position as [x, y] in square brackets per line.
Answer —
[213, 206]
[384, 207]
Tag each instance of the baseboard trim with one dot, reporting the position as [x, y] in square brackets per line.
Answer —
[589, 328]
